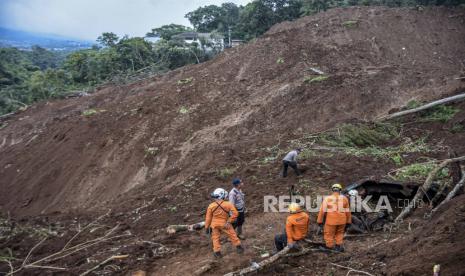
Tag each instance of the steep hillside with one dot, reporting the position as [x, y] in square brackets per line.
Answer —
[152, 151]
[55, 158]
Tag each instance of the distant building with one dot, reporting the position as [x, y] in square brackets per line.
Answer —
[207, 41]
[236, 42]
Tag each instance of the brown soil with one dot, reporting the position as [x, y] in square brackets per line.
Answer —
[59, 168]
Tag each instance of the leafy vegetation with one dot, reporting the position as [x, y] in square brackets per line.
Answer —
[185, 81]
[225, 172]
[350, 23]
[315, 79]
[89, 112]
[151, 151]
[183, 110]
[440, 113]
[418, 172]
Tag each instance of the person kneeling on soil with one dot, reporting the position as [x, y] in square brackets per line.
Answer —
[291, 160]
[218, 220]
[335, 211]
[236, 197]
[357, 226]
[296, 228]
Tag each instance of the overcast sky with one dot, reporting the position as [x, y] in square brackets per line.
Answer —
[87, 19]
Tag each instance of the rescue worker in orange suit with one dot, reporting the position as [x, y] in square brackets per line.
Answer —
[296, 228]
[335, 213]
[219, 218]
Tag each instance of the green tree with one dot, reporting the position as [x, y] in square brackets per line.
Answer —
[167, 31]
[108, 39]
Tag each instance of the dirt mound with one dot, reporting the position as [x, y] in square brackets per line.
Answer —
[153, 150]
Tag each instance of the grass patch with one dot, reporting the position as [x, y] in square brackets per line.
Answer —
[440, 113]
[393, 153]
[184, 110]
[90, 112]
[185, 81]
[350, 23]
[150, 151]
[418, 172]
[359, 135]
[274, 153]
[413, 104]
[225, 172]
[311, 79]
[361, 140]
[456, 128]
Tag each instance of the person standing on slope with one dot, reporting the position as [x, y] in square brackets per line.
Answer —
[296, 228]
[291, 160]
[335, 212]
[237, 198]
[220, 215]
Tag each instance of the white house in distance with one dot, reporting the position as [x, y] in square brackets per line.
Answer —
[207, 41]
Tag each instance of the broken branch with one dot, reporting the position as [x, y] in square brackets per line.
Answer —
[261, 264]
[352, 270]
[454, 191]
[117, 257]
[424, 107]
[426, 186]
[172, 229]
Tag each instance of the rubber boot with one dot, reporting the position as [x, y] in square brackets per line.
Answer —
[239, 233]
[240, 249]
[217, 255]
[339, 248]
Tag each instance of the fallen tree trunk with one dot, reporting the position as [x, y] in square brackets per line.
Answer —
[426, 186]
[173, 229]
[424, 107]
[454, 191]
[260, 265]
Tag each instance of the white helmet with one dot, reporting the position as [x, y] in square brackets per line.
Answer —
[353, 193]
[219, 193]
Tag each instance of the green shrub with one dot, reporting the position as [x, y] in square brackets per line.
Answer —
[280, 60]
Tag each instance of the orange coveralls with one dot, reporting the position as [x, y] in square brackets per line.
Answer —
[297, 227]
[217, 216]
[336, 209]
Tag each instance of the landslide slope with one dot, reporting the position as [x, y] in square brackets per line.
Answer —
[152, 137]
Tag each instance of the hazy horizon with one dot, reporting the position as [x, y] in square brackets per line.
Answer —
[87, 19]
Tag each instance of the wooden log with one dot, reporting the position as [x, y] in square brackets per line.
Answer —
[424, 107]
[426, 186]
[173, 229]
[260, 265]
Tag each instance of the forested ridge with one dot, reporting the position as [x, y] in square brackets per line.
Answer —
[39, 74]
